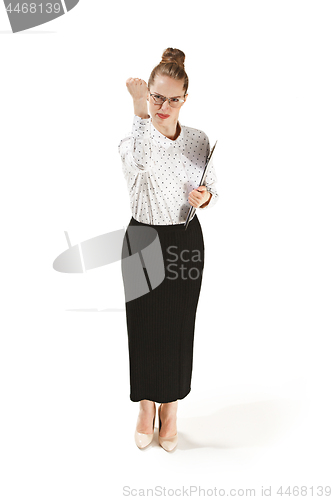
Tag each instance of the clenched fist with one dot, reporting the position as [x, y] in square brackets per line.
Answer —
[139, 92]
[137, 88]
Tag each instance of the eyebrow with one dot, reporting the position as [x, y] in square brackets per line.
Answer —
[173, 97]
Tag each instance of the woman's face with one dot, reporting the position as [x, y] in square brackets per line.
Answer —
[164, 115]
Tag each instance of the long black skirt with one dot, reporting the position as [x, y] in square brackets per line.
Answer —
[160, 312]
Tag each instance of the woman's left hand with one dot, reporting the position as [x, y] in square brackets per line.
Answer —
[199, 196]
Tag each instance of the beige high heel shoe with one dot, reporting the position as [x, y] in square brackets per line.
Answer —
[167, 443]
[143, 440]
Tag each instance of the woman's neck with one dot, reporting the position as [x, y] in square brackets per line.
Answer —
[171, 132]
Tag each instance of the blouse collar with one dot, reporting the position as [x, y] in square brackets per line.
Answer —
[165, 142]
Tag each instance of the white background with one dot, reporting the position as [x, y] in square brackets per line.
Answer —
[260, 409]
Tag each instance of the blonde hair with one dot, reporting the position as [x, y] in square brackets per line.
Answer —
[172, 65]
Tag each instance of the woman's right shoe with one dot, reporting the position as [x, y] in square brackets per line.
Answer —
[167, 443]
[143, 440]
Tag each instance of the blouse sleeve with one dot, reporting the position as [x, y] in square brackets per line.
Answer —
[210, 182]
[135, 149]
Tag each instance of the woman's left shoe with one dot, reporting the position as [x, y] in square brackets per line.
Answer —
[167, 443]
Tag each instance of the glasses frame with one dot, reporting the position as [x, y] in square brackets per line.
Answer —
[167, 99]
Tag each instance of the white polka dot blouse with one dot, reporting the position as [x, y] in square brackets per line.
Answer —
[160, 172]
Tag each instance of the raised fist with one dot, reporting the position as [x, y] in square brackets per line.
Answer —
[137, 88]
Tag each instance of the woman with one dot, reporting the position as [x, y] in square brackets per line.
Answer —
[163, 162]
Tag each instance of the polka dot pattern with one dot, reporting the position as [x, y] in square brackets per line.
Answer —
[160, 173]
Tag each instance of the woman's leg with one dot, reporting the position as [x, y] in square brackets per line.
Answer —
[145, 417]
[168, 415]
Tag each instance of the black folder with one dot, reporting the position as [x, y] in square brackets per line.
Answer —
[202, 183]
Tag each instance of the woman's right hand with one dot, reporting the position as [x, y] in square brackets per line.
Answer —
[139, 91]
[137, 88]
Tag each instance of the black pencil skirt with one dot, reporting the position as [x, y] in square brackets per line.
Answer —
[160, 312]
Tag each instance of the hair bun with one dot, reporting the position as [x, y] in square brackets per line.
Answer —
[174, 56]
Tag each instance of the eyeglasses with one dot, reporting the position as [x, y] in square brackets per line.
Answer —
[175, 102]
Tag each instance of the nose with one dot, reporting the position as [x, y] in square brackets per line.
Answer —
[165, 106]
